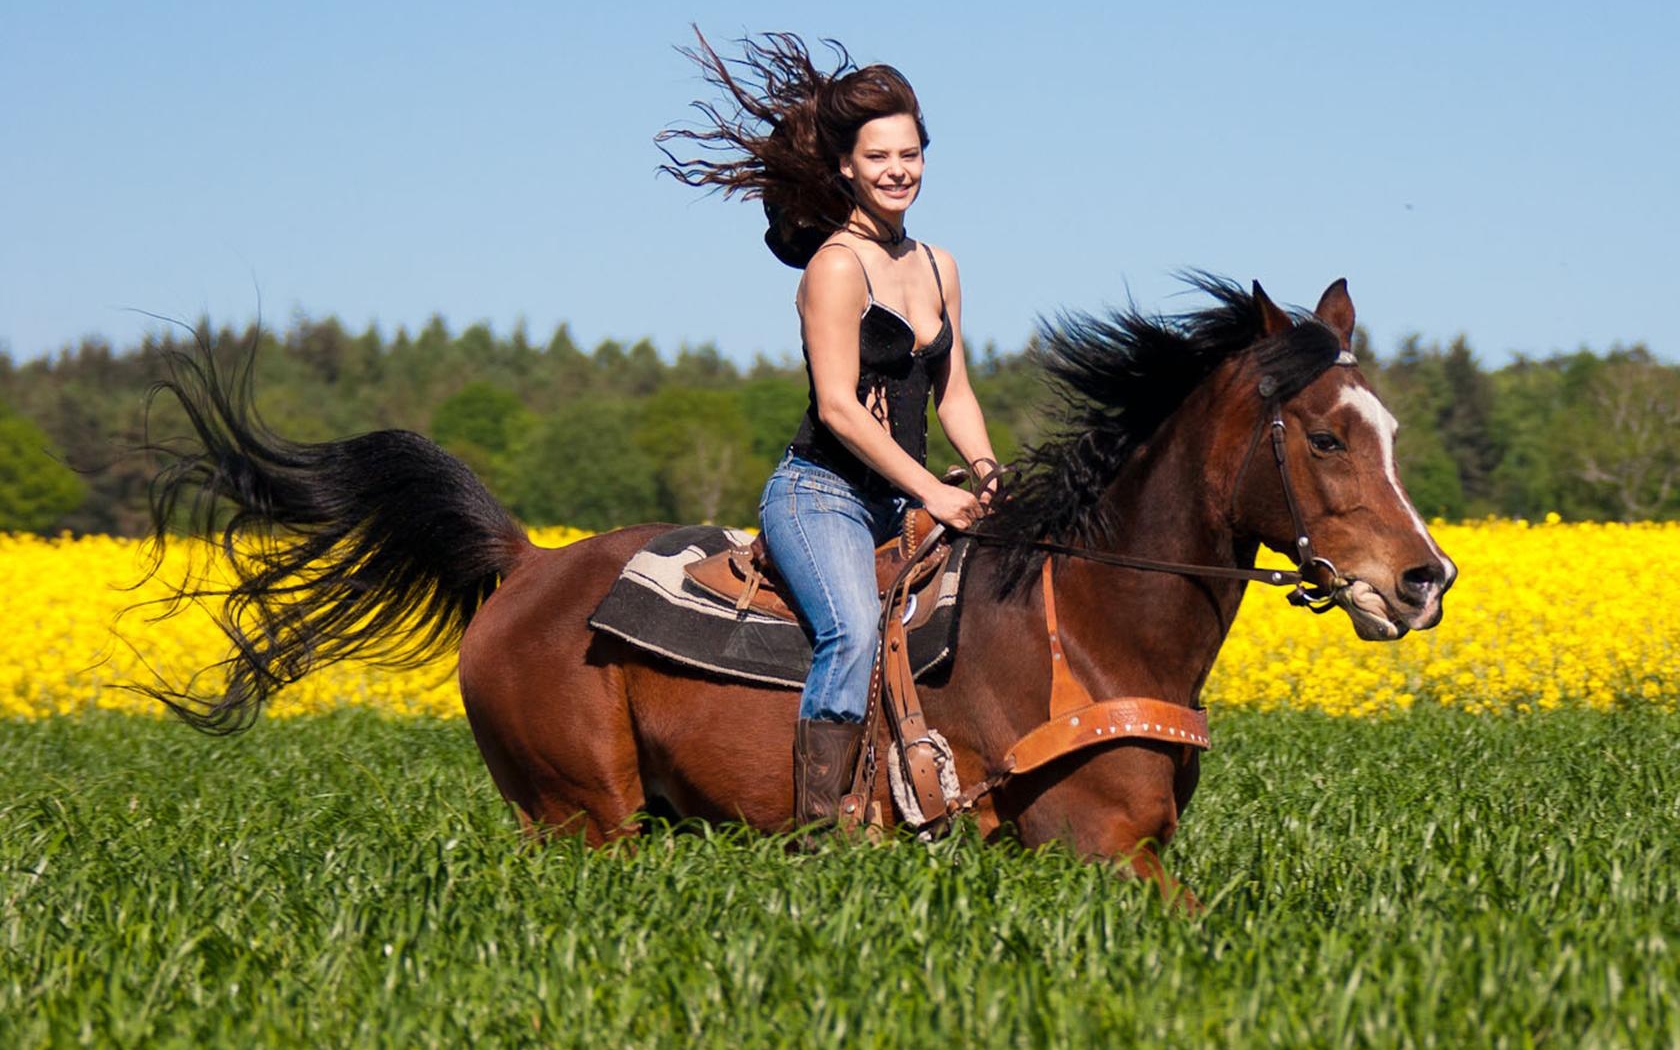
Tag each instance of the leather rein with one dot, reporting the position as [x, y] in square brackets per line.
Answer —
[1077, 720]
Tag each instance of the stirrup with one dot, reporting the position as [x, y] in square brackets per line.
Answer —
[904, 793]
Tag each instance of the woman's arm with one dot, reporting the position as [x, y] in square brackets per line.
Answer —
[953, 397]
[832, 299]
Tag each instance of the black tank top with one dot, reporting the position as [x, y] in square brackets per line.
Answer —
[894, 373]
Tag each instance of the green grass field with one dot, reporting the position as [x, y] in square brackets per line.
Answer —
[1434, 880]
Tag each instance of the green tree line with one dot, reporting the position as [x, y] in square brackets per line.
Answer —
[618, 434]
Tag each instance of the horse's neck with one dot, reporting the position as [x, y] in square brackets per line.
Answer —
[1131, 632]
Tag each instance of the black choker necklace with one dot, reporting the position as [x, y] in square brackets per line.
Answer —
[894, 236]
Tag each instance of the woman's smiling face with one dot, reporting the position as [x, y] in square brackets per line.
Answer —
[885, 164]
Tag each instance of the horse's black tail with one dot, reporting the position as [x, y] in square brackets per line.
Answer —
[378, 547]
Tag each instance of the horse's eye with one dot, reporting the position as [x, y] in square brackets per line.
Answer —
[1324, 441]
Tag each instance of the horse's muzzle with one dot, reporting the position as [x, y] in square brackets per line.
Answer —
[1419, 591]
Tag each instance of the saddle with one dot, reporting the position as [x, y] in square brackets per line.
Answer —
[904, 567]
[746, 576]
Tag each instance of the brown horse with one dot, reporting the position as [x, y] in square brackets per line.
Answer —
[1156, 459]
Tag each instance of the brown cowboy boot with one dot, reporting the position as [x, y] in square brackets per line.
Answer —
[824, 757]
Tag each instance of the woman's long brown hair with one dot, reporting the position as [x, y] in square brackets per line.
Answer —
[790, 123]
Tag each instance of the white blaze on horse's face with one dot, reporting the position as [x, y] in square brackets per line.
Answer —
[1399, 572]
[1384, 426]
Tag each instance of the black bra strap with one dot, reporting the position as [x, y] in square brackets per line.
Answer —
[937, 283]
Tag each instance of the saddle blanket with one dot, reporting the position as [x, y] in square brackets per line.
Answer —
[652, 605]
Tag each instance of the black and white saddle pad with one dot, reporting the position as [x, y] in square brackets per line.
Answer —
[653, 606]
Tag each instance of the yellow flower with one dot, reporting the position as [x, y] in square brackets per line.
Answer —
[1531, 625]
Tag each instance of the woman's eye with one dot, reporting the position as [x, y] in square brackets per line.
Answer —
[1324, 441]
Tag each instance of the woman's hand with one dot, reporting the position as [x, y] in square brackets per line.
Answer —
[953, 506]
[986, 472]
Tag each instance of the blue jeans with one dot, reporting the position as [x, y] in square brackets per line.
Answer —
[822, 533]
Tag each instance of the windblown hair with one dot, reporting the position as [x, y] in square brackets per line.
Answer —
[378, 547]
[1117, 380]
[784, 128]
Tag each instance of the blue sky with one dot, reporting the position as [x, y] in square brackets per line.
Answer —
[1507, 171]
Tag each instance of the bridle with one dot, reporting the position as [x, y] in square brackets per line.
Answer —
[1315, 580]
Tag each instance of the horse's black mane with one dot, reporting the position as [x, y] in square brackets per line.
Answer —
[1117, 379]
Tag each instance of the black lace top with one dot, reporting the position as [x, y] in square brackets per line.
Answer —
[895, 377]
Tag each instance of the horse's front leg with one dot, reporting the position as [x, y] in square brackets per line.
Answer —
[1146, 863]
[1119, 804]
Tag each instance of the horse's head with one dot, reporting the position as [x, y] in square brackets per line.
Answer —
[1333, 458]
[1241, 418]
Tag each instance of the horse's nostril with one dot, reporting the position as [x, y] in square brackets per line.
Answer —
[1422, 582]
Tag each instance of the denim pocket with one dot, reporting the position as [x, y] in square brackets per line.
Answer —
[823, 500]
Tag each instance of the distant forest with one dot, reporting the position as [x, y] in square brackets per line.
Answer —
[619, 434]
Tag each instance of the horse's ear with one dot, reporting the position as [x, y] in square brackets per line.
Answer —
[1336, 310]
[1273, 321]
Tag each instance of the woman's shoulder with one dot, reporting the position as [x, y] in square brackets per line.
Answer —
[946, 261]
[837, 260]
[835, 270]
[946, 266]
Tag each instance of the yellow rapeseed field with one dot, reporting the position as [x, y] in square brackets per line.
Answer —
[1544, 615]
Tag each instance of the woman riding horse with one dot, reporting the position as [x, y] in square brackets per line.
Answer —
[837, 159]
[1185, 443]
